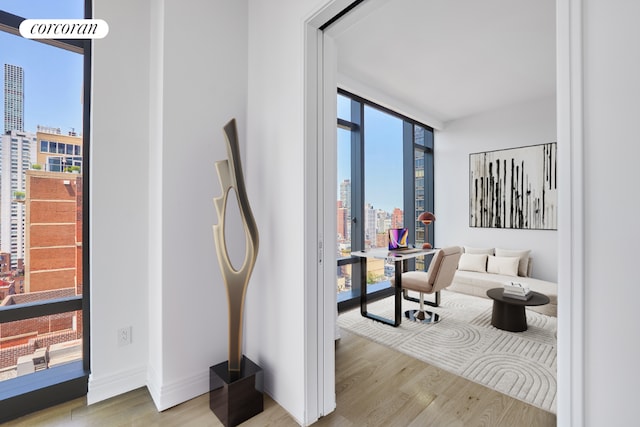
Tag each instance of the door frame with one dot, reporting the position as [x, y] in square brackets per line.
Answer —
[320, 88]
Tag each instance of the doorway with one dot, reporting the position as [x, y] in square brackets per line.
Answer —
[320, 130]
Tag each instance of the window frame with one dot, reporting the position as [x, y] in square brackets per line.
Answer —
[23, 395]
[350, 299]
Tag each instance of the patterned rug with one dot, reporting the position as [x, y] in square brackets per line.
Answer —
[519, 364]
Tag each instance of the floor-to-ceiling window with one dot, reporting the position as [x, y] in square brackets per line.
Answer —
[44, 346]
[385, 180]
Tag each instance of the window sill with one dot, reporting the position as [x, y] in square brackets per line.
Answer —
[29, 393]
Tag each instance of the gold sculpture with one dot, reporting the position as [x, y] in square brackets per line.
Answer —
[236, 281]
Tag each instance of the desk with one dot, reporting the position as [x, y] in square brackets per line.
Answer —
[399, 259]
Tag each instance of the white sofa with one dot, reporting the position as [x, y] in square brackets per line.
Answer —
[481, 269]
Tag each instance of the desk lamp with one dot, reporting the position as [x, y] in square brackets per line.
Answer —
[426, 218]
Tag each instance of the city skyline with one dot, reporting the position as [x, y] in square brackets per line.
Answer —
[383, 156]
[53, 77]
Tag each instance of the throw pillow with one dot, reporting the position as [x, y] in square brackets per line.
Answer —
[486, 251]
[473, 262]
[523, 265]
[507, 266]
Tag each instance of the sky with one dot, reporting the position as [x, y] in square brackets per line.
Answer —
[383, 157]
[53, 80]
[53, 77]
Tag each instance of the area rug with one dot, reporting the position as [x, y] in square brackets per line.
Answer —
[519, 364]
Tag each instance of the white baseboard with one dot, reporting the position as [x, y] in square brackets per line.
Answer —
[168, 395]
[164, 396]
[102, 388]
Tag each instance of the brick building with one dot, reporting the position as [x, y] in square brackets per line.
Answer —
[5, 264]
[341, 222]
[53, 235]
[25, 337]
[397, 218]
[53, 265]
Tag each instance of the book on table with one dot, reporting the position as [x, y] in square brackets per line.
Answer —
[517, 291]
[517, 296]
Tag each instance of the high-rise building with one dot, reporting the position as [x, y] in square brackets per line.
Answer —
[381, 221]
[17, 154]
[345, 198]
[13, 98]
[370, 224]
[345, 194]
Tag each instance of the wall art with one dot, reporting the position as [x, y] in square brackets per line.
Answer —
[514, 188]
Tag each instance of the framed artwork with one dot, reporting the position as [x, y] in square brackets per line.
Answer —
[514, 188]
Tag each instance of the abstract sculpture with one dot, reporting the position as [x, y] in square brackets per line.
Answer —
[236, 385]
[236, 281]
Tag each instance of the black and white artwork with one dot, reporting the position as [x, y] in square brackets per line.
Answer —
[514, 188]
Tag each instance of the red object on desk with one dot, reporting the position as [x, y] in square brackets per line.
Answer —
[426, 218]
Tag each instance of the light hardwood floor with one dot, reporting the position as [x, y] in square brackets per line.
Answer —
[375, 386]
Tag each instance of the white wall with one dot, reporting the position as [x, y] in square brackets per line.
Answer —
[275, 159]
[118, 207]
[612, 203]
[204, 85]
[526, 124]
[166, 79]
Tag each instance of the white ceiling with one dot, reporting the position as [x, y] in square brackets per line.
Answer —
[449, 58]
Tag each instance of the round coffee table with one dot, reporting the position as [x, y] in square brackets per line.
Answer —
[509, 313]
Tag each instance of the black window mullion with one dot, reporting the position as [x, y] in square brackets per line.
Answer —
[388, 111]
[345, 124]
[357, 191]
[86, 169]
[25, 311]
[357, 176]
[429, 203]
[408, 184]
[10, 23]
[408, 178]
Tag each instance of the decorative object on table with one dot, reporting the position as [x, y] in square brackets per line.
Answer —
[426, 218]
[517, 290]
[514, 188]
[235, 385]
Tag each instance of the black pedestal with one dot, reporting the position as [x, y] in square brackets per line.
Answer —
[508, 317]
[235, 397]
[509, 313]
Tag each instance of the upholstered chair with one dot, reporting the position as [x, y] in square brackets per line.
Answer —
[439, 275]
